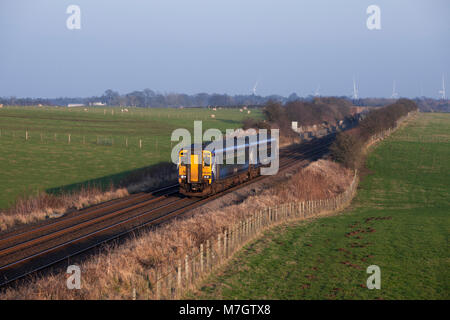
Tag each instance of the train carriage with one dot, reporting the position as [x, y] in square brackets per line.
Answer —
[212, 167]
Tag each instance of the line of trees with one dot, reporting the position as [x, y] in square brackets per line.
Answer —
[148, 98]
[327, 110]
[348, 146]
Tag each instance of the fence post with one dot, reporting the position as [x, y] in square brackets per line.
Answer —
[186, 268]
[219, 249]
[193, 268]
[179, 276]
[201, 258]
[225, 247]
[208, 253]
[231, 239]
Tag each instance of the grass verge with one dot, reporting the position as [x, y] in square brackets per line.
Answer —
[398, 221]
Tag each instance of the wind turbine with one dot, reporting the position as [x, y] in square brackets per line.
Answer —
[254, 88]
[355, 90]
[317, 92]
[442, 92]
[394, 93]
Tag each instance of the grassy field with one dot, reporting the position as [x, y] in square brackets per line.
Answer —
[399, 221]
[98, 143]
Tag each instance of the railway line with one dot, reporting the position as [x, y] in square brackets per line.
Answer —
[35, 248]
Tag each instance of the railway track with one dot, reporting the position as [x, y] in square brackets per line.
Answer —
[32, 249]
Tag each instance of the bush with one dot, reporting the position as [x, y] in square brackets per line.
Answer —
[347, 149]
[306, 113]
[255, 124]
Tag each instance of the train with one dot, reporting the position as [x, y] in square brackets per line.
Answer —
[203, 169]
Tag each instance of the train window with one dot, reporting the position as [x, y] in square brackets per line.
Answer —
[183, 159]
[207, 159]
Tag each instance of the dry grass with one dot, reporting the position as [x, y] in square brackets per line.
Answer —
[27, 210]
[113, 273]
[43, 206]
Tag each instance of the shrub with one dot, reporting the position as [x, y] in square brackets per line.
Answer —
[347, 148]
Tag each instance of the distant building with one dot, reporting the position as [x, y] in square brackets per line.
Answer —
[71, 105]
[97, 104]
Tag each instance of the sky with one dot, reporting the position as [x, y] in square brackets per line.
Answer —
[223, 46]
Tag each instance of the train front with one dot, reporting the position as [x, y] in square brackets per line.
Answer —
[195, 171]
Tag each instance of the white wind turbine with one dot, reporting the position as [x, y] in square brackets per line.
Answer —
[317, 92]
[355, 90]
[394, 92]
[254, 88]
[442, 92]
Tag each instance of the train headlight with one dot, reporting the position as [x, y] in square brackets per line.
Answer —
[206, 177]
[183, 177]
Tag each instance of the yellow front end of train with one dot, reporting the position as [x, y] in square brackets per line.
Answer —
[195, 174]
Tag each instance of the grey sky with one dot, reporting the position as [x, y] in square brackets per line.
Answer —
[223, 46]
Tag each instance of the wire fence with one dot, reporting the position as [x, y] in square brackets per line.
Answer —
[38, 137]
[175, 280]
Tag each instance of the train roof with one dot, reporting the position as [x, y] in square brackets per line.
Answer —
[212, 148]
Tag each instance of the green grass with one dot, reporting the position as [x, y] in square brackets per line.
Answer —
[97, 151]
[408, 191]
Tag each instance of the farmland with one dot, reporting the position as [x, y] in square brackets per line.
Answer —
[46, 148]
[399, 221]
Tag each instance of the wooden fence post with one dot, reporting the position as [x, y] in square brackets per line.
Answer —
[201, 258]
[179, 275]
[219, 249]
[186, 268]
[208, 253]
[225, 244]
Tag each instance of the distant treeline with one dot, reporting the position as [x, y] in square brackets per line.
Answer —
[148, 98]
[306, 113]
[348, 146]
[424, 104]
[151, 99]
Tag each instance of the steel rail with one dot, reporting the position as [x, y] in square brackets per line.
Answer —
[156, 220]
